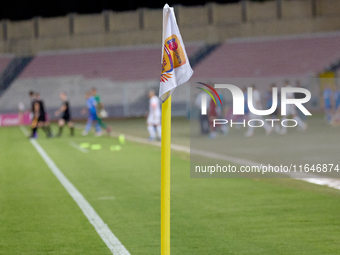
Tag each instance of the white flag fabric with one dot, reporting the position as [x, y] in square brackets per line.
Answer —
[176, 68]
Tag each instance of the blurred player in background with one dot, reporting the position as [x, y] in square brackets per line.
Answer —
[212, 113]
[91, 105]
[221, 112]
[291, 111]
[327, 97]
[337, 98]
[154, 118]
[239, 118]
[257, 105]
[204, 120]
[65, 113]
[215, 111]
[336, 117]
[34, 115]
[42, 121]
[21, 111]
[299, 95]
[269, 103]
[101, 113]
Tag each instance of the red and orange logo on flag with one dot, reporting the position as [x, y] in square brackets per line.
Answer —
[173, 57]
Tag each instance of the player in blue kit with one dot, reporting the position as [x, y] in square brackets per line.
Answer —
[337, 98]
[269, 103]
[327, 95]
[91, 104]
[336, 117]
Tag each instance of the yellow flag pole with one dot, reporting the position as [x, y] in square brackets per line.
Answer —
[165, 177]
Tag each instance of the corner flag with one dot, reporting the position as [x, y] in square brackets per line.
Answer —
[176, 70]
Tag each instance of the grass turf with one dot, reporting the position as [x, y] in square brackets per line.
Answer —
[37, 216]
[208, 216]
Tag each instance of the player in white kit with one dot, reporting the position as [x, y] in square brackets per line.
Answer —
[154, 118]
[258, 106]
[291, 111]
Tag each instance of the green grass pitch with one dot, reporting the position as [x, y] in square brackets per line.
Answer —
[208, 216]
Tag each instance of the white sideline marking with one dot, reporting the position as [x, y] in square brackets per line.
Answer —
[311, 178]
[75, 145]
[116, 247]
[24, 130]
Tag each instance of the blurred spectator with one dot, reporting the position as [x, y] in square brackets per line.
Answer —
[299, 95]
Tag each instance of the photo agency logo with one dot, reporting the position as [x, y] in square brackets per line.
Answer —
[248, 104]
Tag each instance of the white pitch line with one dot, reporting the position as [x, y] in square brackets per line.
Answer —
[311, 178]
[112, 242]
[75, 145]
[315, 179]
[24, 130]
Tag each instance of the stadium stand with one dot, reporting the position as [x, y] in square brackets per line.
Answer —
[290, 56]
[137, 63]
[12, 71]
[4, 61]
[122, 75]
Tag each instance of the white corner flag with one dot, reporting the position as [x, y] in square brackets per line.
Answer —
[176, 68]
